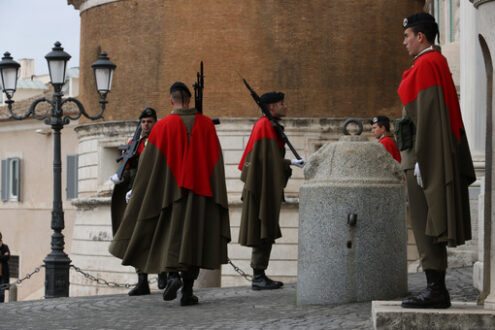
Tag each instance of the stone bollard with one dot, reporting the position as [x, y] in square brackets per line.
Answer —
[352, 225]
[13, 293]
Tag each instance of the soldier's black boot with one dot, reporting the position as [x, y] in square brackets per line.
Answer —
[142, 287]
[263, 282]
[162, 280]
[188, 298]
[173, 285]
[435, 295]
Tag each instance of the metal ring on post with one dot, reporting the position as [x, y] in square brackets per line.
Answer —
[355, 121]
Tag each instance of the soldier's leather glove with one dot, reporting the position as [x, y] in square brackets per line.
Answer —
[417, 174]
[128, 196]
[115, 179]
[298, 162]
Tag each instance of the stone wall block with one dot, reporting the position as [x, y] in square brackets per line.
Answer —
[86, 186]
[88, 159]
[87, 146]
[232, 156]
[232, 142]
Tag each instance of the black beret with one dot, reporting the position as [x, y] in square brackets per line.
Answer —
[271, 97]
[180, 86]
[379, 120]
[417, 19]
[148, 112]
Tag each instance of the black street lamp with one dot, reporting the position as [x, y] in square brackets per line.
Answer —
[57, 263]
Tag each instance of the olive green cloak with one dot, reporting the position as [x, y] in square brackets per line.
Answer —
[118, 203]
[166, 226]
[265, 173]
[440, 148]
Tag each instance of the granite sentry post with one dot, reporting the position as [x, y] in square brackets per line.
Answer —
[352, 225]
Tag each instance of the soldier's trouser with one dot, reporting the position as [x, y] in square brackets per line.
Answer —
[191, 274]
[260, 255]
[2, 291]
[432, 255]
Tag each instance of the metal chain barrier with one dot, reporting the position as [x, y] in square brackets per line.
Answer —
[127, 285]
[240, 271]
[102, 281]
[7, 286]
[105, 282]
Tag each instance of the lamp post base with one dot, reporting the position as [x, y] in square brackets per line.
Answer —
[57, 267]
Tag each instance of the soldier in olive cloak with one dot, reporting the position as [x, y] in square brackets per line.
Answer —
[122, 186]
[435, 157]
[177, 218]
[380, 127]
[265, 173]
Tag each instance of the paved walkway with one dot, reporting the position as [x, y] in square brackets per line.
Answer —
[219, 308]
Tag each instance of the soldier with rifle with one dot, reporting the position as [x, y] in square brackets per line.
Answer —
[177, 219]
[124, 179]
[265, 173]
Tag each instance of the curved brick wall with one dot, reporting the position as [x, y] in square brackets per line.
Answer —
[335, 58]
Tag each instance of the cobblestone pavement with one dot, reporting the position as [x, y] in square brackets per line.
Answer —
[219, 308]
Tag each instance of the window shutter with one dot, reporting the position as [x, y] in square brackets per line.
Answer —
[72, 165]
[16, 178]
[5, 180]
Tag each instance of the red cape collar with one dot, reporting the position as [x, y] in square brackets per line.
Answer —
[191, 162]
[431, 69]
[262, 129]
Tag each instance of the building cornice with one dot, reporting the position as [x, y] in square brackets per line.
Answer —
[228, 124]
[83, 5]
[478, 3]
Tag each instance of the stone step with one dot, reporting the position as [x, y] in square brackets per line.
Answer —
[462, 315]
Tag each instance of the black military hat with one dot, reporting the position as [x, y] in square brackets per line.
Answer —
[180, 86]
[272, 97]
[416, 19]
[379, 120]
[148, 112]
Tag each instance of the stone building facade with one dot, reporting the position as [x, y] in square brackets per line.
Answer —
[25, 214]
[25, 218]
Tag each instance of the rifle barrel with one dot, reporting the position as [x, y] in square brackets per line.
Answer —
[130, 151]
[267, 113]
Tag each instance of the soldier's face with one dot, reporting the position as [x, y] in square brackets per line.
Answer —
[147, 124]
[278, 109]
[377, 130]
[413, 42]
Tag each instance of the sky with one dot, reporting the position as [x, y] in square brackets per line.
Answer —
[29, 28]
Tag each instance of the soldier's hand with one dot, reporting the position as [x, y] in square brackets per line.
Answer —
[128, 196]
[115, 179]
[298, 162]
[417, 174]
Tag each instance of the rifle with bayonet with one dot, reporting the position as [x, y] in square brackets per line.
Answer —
[267, 113]
[130, 151]
[199, 85]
